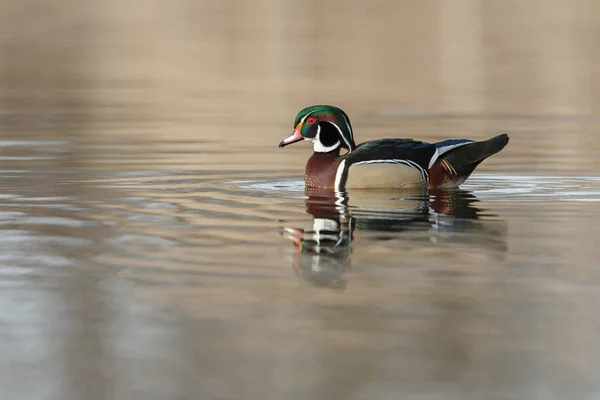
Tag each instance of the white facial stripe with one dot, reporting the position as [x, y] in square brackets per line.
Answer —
[302, 122]
[318, 147]
[341, 135]
[306, 116]
[349, 130]
[317, 141]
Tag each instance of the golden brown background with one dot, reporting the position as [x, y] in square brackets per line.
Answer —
[132, 267]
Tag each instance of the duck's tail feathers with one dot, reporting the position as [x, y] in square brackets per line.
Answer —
[463, 160]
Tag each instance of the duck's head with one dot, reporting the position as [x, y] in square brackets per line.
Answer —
[328, 127]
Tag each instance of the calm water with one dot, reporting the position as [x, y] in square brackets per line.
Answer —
[140, 271]
[156, 244]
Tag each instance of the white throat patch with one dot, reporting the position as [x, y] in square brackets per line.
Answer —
[318, 147]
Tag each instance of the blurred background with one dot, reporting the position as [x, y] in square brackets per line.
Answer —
[136, 264]
[65, 64]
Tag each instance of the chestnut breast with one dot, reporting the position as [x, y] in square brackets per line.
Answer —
[320, 170]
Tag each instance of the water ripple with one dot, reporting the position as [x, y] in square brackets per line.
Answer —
[492, 187]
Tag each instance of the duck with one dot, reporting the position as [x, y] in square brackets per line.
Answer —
[338, 163]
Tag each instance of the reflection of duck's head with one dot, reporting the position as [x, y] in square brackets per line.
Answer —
[323, 252]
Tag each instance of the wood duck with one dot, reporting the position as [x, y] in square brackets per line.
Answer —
[382, 163]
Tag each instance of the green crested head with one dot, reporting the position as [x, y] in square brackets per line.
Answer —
[328, 127]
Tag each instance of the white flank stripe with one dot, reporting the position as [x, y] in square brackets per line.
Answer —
[424, 173]
[349, 130]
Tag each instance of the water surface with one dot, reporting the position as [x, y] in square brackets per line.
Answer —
[144, 272]
[155, 243]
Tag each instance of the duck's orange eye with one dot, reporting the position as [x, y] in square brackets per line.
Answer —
[311, 120]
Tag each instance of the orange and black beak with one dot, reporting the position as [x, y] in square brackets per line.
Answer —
[293, 138]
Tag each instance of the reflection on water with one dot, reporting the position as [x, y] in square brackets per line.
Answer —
[323, 255]
[132, 278]
[143, 199]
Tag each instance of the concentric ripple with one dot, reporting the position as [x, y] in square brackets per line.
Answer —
[522, 188]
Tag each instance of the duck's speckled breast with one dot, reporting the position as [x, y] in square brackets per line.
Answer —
[320, 170]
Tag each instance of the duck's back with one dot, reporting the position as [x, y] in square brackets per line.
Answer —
[386, 163]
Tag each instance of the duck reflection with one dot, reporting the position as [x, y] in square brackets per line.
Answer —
[323, 253]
